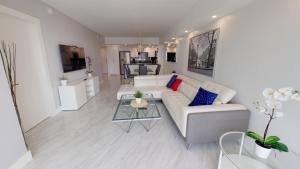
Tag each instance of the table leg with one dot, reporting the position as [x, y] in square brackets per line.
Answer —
[135, 113]
[130, 126]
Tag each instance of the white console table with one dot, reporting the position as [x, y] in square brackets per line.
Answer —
[77, 93]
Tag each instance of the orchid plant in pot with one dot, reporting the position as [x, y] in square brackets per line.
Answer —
[89, 71]
[271, 108]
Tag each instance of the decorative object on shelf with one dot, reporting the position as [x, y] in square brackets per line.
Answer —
[202, 51]
[89, 71]
[63, 81]
[272, 104]
[8, 55]
[138, 96]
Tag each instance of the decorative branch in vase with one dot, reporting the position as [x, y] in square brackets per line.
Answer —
[272, 104]
[89, 71]
[8, 55]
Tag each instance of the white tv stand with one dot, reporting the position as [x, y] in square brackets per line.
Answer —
[77, 93]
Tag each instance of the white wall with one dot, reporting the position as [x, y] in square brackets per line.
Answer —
[60, 29]
[169, 67]
[12, 145]
[34, 92]
[162, 57]
[258, 48]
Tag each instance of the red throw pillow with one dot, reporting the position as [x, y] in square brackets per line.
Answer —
[176, 84]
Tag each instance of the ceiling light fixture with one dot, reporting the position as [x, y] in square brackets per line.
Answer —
[214, 16]
[174, 38]
[186, 31]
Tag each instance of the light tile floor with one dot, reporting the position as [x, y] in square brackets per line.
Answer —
[87, 139]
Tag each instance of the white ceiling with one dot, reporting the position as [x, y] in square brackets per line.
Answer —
[135, 17]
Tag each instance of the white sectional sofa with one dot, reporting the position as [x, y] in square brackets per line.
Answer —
[197, 124]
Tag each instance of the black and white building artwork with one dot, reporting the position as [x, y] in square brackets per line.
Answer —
[202, 51]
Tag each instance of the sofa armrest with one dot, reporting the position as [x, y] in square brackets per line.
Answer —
[213, 108]
[208, 123]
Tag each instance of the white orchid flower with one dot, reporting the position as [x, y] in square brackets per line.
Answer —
[280, 96]
[273, 104]
[278, 114]
[261, 109]
[296, 96]
[288, 91]
[268, 93]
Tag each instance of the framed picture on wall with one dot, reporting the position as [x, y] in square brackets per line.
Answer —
[202, 52]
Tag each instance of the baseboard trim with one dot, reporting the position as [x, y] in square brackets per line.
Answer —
[57, 111]
[21, 162]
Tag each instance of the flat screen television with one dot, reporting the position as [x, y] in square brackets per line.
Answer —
[171, 57]
[72, 58]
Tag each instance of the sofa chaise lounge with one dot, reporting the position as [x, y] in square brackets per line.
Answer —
[197, 124]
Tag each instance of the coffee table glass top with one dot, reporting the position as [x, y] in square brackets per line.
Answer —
[125, 111]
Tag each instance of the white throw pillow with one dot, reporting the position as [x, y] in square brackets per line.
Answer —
[188, 90]
[224, 94]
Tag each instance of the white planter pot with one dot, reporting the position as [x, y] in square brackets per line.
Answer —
[64, 82]
[138, 100]
[262, 152]
[89, 74]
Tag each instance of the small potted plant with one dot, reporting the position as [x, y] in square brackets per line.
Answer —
[63, 81]
[272, 104]
[89, 71]
[138, 97]
[173, 71]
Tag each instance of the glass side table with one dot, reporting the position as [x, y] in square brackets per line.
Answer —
[237, 152]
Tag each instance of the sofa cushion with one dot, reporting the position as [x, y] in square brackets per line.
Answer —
[188, 90]
[176, 84]
[156, 91]
[145, 82]
[212, 108]
[151, 80]
[224, 94]
[192, 82]
[171, 81]
[162, 80]
[204, 97]
[175, 102]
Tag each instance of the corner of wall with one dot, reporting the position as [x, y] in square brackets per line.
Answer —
[22, 161]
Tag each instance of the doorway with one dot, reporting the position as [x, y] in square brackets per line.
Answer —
[34, 92]
[124, 58]
[103, 61]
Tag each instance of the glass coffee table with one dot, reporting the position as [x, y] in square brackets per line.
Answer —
[129, 112]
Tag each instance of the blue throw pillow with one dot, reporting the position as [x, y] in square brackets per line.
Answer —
[203, 97]
[171, 81]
